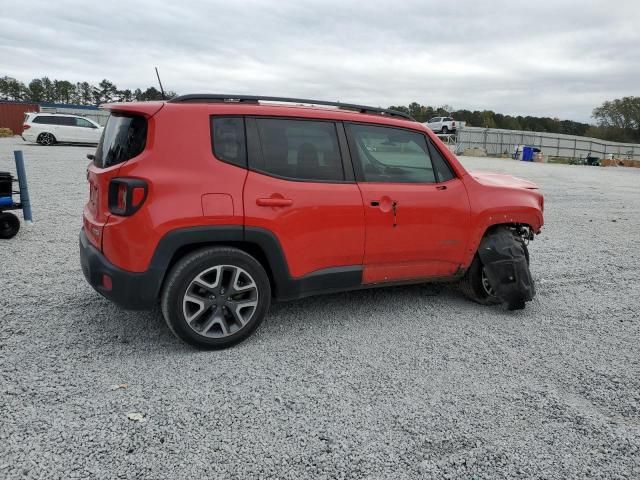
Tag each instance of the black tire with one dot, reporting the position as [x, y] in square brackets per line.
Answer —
[46, 139]
[187, 281]
[445, 130]
[9, 225]
[472, 285]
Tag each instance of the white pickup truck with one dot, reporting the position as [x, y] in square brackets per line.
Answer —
[442, 125]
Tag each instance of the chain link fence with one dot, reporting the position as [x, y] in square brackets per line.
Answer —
[499, 142]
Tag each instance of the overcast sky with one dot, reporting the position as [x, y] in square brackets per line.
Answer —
[542, 57]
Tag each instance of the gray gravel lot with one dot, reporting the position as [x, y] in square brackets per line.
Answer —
[405, 382]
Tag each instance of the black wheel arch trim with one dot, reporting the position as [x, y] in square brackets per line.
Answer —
[284, 287]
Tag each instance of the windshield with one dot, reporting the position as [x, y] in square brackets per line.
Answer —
[123, 138]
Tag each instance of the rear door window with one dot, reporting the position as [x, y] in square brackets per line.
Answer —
[124, 137]
[299, 150]
[66, 121]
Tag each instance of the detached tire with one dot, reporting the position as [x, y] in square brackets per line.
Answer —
[475, 285]
[9, 225]
[215, 297]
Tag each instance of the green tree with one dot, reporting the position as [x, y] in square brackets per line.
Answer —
[49, 90]
[621, 113]
[4, 88]
[64, 91]
[85, 93]
[125, 95]
[105, 93]
[12, 89]
[151, 93]
[36, 90]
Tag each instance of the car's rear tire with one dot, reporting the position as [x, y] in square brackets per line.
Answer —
[475, 285]
[445, 130]
[9, 225]
[46, 139]
[215, 297]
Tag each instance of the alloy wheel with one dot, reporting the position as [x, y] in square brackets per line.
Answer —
[47, 139]
[220, 301]
[486, 285]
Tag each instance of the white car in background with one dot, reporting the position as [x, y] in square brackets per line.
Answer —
[442, 125]
[52, 128]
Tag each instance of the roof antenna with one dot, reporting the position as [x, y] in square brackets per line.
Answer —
[160, 82]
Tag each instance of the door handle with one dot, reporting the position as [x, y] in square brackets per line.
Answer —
[441, 187]
[274, 202]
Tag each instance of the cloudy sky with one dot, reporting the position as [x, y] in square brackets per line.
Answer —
[543, 57]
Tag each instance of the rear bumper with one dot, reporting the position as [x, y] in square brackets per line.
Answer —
[130, 290]
[28, 136]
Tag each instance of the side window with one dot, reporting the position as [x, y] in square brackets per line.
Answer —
[228, 140]
[442, 168]
[46, 120]
[391, 155]
[434, 120]
[299, 149]
[81, 122]
[67, 121]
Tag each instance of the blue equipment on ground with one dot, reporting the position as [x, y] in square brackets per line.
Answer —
[10, 223]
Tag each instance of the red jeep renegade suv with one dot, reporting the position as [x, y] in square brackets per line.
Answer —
[212, 205]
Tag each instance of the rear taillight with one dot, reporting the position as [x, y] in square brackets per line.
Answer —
[26, 127]
[121, 197]
[126, 195]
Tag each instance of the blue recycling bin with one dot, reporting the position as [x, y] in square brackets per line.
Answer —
[527, 154]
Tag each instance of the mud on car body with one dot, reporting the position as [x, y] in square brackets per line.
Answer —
[213, 206]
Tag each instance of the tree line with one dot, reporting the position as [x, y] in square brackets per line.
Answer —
[616, 120]
[80, 93]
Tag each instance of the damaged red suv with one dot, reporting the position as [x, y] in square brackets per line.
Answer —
[215, 205]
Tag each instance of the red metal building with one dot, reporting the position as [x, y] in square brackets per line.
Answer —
[12, 114]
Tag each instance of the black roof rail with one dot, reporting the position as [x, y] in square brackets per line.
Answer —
[216, 97]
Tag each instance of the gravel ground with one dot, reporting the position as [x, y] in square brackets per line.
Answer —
[406, 382]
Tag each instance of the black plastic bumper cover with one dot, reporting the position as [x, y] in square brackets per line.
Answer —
[130, 290]
[507, 270]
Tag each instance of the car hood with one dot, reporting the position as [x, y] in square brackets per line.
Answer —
[502, 180]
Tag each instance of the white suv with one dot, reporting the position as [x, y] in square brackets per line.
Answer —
[52, 128]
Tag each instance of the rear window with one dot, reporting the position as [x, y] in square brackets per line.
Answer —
[124, 137]
[229, 143]
[82, 122]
